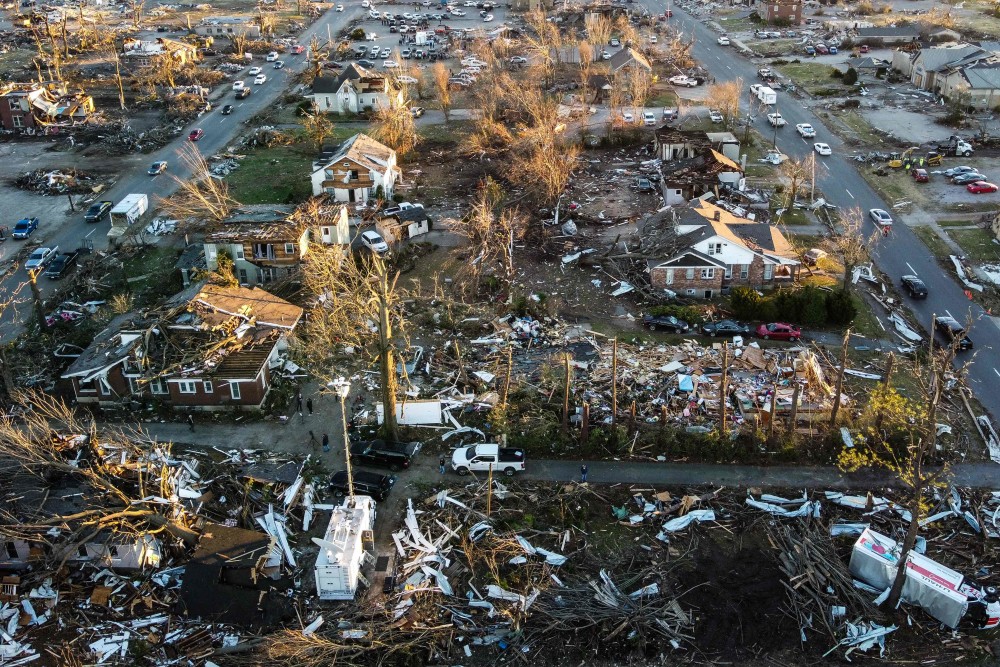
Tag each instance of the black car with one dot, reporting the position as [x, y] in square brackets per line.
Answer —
[98, 211]
[365, 483]
[226, 110]
[60, 265]
[915, 286]
[725, 328]
[950, 330]
[381, 454]
[665, 323]
[366, 63]
[244, 93]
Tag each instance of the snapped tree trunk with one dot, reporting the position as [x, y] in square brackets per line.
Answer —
[387, 358]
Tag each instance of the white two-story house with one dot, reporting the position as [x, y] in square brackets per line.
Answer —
[360, 169]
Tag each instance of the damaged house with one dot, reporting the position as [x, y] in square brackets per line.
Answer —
[354, 90]
[209, 347]
[268, 243]
[143, 53]
[703, 250]
[684, 180]
[361, 168]
[33, 107]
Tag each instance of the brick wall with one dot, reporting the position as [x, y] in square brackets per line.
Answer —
[681, 283]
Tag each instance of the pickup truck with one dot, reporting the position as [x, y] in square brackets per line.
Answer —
[97, 211]
[482, 458]
[40, 258]
[24, 227]
[61, 264]
[776, 120]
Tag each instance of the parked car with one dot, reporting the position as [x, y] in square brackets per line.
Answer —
[41, 257]
[981, 187]
[254, 71]
[914, 286]
[665, 323]
[644, 184]
[951, 330]
[864, 49]
[61, 264]
[955, 171]
[374, 242]
[714, 115]
[805, 130]
[683, 80]
[340, 8]
[487, 18]
[366, 483]
[25, 226]
[518, 60]
[810, 51]
[158, 168]
[648, 118]
[615, 42]
[823, 149]
[97, 212]
[390, 64]
[725, 328]
[920, 175]
[417, 111]
[366, 63]
[968, 177]
[779, 331]
[196, 134]
[775, 120]
[627, 117]
[813, 255]
[880, 217]
[723, 41]
[379, 453]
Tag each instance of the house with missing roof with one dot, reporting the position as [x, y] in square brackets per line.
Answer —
[933, 68]
[355, 90]
[37, 107]
[702, 250]
[208, 347]
[358, 170]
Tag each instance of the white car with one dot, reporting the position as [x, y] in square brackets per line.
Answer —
[239, 85]
[715, 116]
[259, 79]
[457, 12]
[40, 258]
[366, 3]
[774, 157]
[683, 80]
[823, 149]
[648, 118]
[254, 71]
[409, 80]
[487, 18]
[374, 242]
[469, 3]
[723, 41]
[605, 55]
[374, 15]
[805, 130]
[880, 217]
[615, 42]
[408, 16]
[775, 120]
[390, 64]
[518, 60]
[627, 117]
[272, 56]
[340, 8]
[386, 53]
[652, 39]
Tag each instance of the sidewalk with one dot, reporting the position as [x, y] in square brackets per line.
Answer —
[288, 439]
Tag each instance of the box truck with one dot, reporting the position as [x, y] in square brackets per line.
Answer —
[766, 95]
[127, 212]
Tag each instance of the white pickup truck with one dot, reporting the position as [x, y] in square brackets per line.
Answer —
[482, 458]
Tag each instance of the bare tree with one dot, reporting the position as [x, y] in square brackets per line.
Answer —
[110, 48]
[317, 126]
[598, 27]
[850, 243]
[640, 83]
[541, 161]
[441, 87]
[202, 197]
[239, 41]
[795, 172]
[393, 126]
[545, 40]
[626, 31]
[725, 97]
[359, 306]
[586, 52]
[491, 230]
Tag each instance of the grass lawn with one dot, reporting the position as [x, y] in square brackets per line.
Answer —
[276, 175]
[810, 76]
[868, 136]
[956, 223]
[865, 323]
[456, 130]
[978, 244]
[736, 24]
[934, 243]
[663, 98]
[144, 272]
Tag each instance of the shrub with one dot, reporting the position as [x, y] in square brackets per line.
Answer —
[852, 104]
[850, 76]
[358, 33]
[840, 308]
[812, 306]
[837, 74]
[745, 302]
[689, 314]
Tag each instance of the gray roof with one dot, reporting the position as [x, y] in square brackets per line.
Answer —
[867, 63]
[889, 31]
[982, 78]
[105, 350]
[625, 56]
[937, 58]
[259, 213]
[331, 84]
[687, 259]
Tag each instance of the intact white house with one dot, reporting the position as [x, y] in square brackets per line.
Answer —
[354, 90]
[356, 171]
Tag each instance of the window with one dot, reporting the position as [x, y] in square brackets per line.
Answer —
[768, 268]
[289, 248]
[207, 386]
[158, 387]
[133, 385]
[729, 271]
[714, 248]
[18, 121]
[234, 391]
[243, 276]
[670, 276]
[744, 271]
[239, 252]
[113, 551]
[81, 551]
[707, 273]
[87, 386]
[14, 104]
[11, 550]
[187, 387]
[105, 387]
[690, 274]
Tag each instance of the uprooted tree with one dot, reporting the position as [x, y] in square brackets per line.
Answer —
[121, 481]
[491, 230]
[393, 125]
[850, 244]
[200, 198]
[358, 305]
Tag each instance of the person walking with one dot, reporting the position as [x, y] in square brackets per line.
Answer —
[309, 406]
[326, 443]
[441, 465]
[298, 403]
[583, 473]
[190, 421]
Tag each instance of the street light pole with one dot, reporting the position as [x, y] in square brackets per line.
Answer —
[343, 388]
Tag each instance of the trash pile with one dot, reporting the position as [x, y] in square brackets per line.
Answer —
[225, 167]
[57, 181]
[265, 137]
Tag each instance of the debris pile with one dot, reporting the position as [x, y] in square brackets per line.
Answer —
[57, 181]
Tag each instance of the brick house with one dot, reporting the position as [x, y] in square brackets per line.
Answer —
[33, 107]
[703, 250]
[783, 10]
[357, 171]
[267, 243]
[208, 348]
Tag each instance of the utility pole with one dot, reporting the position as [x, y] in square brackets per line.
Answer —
[614, 382]
[774, 130]
[566, 383]
[840, 379]
[723, 390]
[812, 188]
[774, 409]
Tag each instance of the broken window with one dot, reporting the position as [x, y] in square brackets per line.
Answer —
[81, 551]
[289, 248]
[133, 385]
[113, 551]
[158, 386]
[670, 276]
[11, 550]
[708, 273]
[188, 387]
[87, 386]
[263, 251]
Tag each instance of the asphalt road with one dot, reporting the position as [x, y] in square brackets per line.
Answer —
[900, 253]
[219, 133]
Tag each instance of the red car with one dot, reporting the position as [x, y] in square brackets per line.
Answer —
[980, 187]
[196, 134]
[920, 175]
[779, 331]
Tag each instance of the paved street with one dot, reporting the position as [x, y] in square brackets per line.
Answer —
[899, 254]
